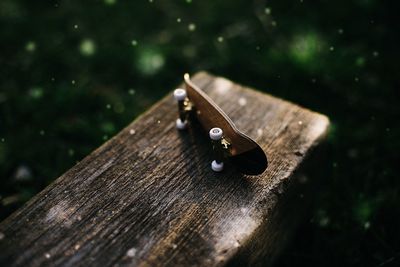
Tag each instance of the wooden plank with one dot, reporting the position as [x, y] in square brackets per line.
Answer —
[147, 197]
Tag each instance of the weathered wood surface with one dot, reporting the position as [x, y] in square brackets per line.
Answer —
[148, 197]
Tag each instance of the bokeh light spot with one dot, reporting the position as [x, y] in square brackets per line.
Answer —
[87, 47]
[150, 61]
[110, 2]
[360, 61]
[36, 92]
[192, 27]
[304, 48]
[30, 46]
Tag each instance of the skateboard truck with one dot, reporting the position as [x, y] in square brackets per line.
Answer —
[227, 141]
[184, 108]
[220, 147]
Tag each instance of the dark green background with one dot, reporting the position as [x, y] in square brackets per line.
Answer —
[73, 73]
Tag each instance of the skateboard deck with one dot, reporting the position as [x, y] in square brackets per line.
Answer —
[245, 153]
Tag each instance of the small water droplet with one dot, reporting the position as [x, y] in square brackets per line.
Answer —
[132, 131]
[331, 48]
[178, 20]
[220, 39]
[76, 26]
[267, 10]
[134, 42]
[108, 106]
[174, 246]
[47, 255]
[73, 82]
[131, 91]
[131, 252]
[242, 101]
[375, 53]
[300, 122]
[340, 31]
[41, 132]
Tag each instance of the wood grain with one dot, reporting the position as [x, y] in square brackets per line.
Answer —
[148, 197]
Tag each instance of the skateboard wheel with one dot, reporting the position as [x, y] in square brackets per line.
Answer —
[180, 94]
[216, 134]
[181, 125]
[217, 167]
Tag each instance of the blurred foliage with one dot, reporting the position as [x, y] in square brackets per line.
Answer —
[73, 73]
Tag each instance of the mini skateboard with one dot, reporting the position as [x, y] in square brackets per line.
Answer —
[227, 141]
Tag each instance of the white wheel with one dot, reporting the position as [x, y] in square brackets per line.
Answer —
[217, 167]
[180, 94]
[216, 134]
[181, 125]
